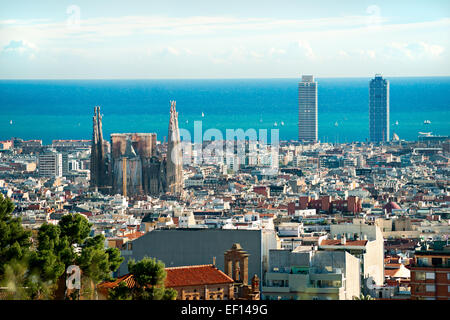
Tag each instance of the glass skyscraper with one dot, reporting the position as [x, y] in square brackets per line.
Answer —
[378, 109]
[307, 110]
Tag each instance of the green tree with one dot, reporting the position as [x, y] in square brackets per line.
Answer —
[363, 297]
[76, 227]
[55, 252]
[15, 241]
[121, 292]
[15, 251]
[36, 274]
[170, 294]
[149, 275]
[14, 280]
[97, 263]
[49, 262]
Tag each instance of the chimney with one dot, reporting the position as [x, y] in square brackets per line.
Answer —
[214, 262]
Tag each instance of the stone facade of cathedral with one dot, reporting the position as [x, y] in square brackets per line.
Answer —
[133, 165]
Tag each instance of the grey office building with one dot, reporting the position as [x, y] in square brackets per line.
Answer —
[50, 164]
[307, 110]
[378, 109]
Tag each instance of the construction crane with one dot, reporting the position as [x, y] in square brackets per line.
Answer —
[124, 176]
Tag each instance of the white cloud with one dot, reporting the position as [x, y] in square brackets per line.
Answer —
[415, 50]
[327, 45]
[22, 48]
[306, 49]
[169, 51]
[432, 50]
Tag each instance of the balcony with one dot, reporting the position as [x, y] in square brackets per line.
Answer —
[336, 274]
[325, 290]
[434, 263]
[275, 289]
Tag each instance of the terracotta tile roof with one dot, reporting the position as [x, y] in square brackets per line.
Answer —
[133, 235]
[348, 243]
[390, 272]
[391, 259]
[179, 277]
[195, 275]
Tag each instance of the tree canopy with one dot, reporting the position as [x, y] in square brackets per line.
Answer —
[15, 241]
[36, 273]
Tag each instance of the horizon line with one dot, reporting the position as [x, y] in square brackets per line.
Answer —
[226, 78]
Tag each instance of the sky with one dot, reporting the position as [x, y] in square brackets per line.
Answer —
[223, 39]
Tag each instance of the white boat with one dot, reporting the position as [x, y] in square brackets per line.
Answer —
[203, 114]
[396, 123]
[275, 124]
[427, 122]
[282, 123]
[10, 121]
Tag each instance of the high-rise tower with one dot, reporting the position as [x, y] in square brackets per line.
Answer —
[174, 165]
[378, 109]
[99, 167]
[307, 110]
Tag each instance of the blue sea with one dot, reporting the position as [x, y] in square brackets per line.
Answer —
[63, 109]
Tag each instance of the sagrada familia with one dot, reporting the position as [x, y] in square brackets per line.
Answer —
[131, 165]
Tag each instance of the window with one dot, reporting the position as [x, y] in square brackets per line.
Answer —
[430, 288]
[420, 275]
[419, 289]
[436, 261]
[422, 262]
[448, 275]
[430, 275]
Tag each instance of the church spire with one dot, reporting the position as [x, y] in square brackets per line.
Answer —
[174, 155]
[98, 154]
